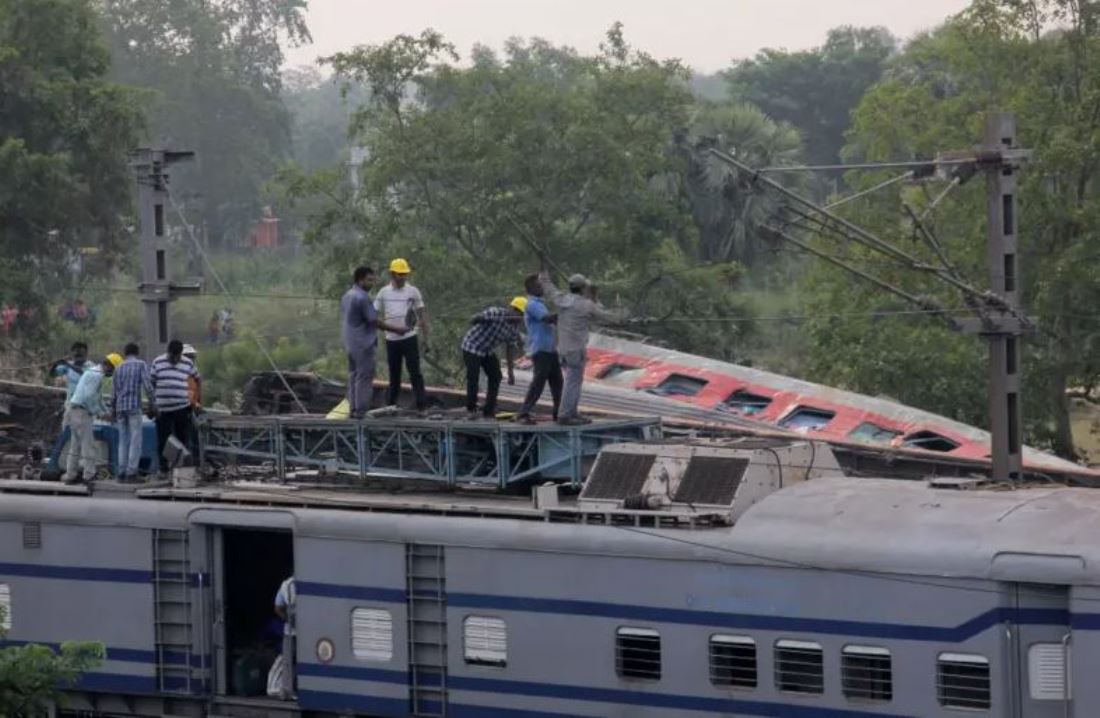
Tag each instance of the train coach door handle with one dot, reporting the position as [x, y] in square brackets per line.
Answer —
[1067, 674]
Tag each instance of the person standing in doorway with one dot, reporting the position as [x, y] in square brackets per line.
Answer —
[400, 304]
[360, 324]
[131, 379]
[169, 376]
[286, 599]
[576, 313]
[542, 347]
[85, 407]
[71, 370]
[489, 327]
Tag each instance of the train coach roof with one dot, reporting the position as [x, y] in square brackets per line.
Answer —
[1046, 535]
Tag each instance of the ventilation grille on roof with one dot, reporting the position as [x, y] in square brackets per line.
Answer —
[32, 535]
[711, 480]
[617, 476]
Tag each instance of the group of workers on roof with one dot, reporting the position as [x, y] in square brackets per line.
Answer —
[172, 385]
[556, 341]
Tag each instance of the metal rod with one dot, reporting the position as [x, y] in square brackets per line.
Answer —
[855, 232]
[881, 185]
[881, 284]
[912, 164]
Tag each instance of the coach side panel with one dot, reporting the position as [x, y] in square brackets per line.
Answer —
[90, 583]
[569, 621]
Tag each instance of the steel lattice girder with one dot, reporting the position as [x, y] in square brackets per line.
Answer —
[484, 452]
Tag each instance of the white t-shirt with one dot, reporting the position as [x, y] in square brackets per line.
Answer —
[285, 598]
[393, 305]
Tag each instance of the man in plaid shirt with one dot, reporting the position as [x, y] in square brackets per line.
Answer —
[131, 379]
[489, 327]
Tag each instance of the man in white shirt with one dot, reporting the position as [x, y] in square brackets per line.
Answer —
[400, 304]
[285, 599]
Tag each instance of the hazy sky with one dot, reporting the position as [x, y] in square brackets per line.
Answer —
[707, 34]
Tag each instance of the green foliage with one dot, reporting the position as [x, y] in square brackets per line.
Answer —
[32, 676]
[933, 99]
[64, 137]
[815, 90]
[726, 213]
[214, 69]
[473, 171]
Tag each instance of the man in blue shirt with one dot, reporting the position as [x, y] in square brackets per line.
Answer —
[360, 331]
[71, 369]
[131, 378]
[85, 405]
[543, 350]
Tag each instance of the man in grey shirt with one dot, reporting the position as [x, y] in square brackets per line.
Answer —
[576, 312]
[360, 330]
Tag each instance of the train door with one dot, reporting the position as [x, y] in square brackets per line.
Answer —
[249, 554]
[1039, 650]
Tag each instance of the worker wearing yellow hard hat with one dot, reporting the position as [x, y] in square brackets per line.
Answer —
[488, 328]
[400, 304]
[85, 406]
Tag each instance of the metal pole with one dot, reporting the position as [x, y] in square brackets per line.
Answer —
[156, 287]
[1004, 350]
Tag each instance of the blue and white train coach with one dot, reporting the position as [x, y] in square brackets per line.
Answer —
[832, 598]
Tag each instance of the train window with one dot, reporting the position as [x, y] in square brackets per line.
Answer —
[678, 385]
[485, 641]
[638, 653]
[5, 607]
[371, 634]
[930, 440]
[873, 433]
[962, 681]
[799, 667]
[807, 418]
[733, 661]
[1046, 671]
[622, 373]
[866, 673]
[744, 402]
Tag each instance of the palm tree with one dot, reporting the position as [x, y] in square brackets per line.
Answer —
[726, 212]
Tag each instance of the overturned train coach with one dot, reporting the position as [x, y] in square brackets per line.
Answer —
[818, 596]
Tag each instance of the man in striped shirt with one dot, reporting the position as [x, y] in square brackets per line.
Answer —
[131, 378]
[169, 376]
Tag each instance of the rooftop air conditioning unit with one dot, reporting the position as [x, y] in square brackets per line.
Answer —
[719, 477]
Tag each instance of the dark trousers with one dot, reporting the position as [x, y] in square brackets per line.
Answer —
[407, 351]
[360, 382]
[546, 368]
[176, 423]
[474, 366]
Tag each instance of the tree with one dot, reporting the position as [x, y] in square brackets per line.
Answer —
[472, 172]
[65, 134]
[815, 90]
[993, 57]
[214, 69]
[725, 213]
[32, 676]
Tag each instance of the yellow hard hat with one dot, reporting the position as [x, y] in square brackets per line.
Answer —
[399, 266]
[115, 359]
[519, 303]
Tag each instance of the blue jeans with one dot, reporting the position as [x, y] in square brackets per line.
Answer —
[129, 442]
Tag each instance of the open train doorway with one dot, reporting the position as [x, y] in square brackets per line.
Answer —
[254, 564]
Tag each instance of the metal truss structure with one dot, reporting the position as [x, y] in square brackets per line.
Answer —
[489, 453]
